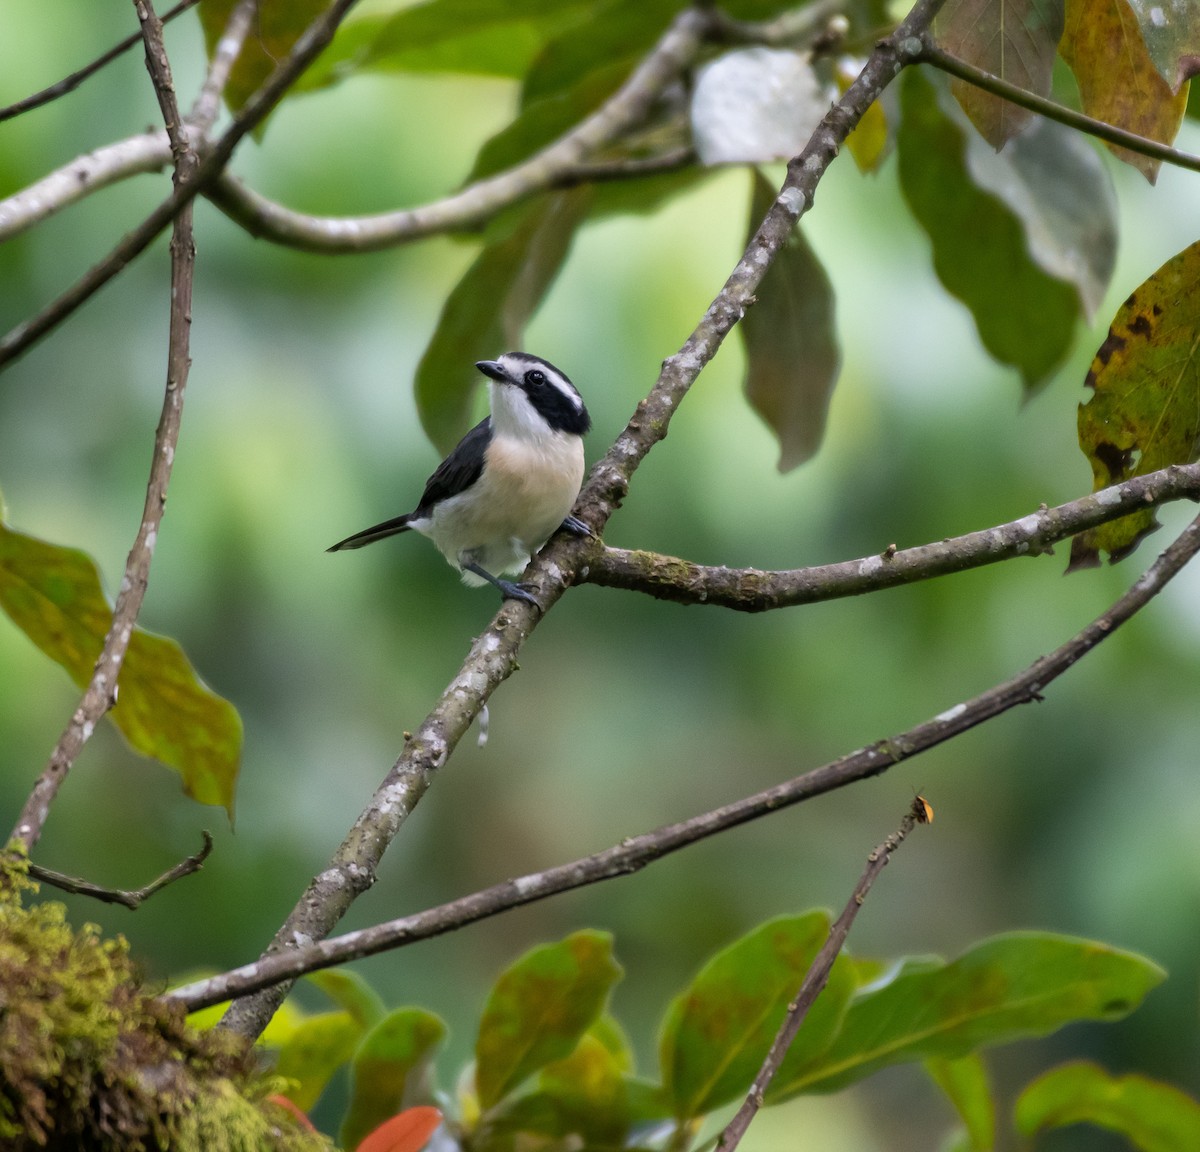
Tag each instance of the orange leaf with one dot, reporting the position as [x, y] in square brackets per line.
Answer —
[408, 1131]
[1118, 82]
[295, 1109]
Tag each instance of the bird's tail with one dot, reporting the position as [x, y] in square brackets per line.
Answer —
[370, 535]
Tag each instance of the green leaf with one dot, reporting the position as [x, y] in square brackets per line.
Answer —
[623, 30]
[717, 1033]
[350, 991]
[1144, 413]
[53, 595]
[1171, 34]
[316, 1049]
[539, 1009]
[278, 24]
[1013, 39]
[390, 1070]
[544, 121]
[1056, 184]
[965, 1082]
[643, 195]
[488, 309]
[587, 1097]
[1025, 316]
[1118, 82]
[792, 356]
[1011, 986]
[1152, 1116]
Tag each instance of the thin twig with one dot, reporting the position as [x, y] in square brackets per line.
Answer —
[634, 853]
[101, 692]
[930, 53]
[131, 899]
[816, 977]
[493, 656]
[70, 83]
[229, 47]
[752, 590]
[20, 339]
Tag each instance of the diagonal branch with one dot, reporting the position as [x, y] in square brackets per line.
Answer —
[752, 590]
[636, 852]
[70, 83]
[228, 48]
[493, 656]
[254, 111]
[816, 978]
[101, 692]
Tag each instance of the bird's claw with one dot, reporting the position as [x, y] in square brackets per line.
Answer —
[576, 527]
[513, 591]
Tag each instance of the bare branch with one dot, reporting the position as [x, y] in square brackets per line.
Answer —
[149, 152]
[478, 202]
[131, 899]
[931, 54]
[752, 590]
[493, 655]
[304, 51]
[816, 977]
[561, 164]
[70, 83]
[229, 47]
[634, 853]
[101, 692]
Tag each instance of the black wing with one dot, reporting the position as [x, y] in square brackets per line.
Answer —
[455, 474]
[459, 470]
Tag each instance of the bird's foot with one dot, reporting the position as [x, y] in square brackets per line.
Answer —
[576, 527]
[516, 591]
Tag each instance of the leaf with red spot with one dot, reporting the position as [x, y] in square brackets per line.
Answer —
[539, 1009]
[1145, 410]
[1172, 36]
[717, 1033]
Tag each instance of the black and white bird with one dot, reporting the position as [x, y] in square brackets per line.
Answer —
[511, 481]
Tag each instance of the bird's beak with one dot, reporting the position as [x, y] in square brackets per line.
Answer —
[492, 369]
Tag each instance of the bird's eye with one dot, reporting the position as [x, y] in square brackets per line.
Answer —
[534, 378]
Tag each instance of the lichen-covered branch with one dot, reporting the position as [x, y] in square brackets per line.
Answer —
[752, 590]
[493, 655]
[634, 853]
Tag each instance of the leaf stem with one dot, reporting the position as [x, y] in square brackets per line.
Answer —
[931, 54]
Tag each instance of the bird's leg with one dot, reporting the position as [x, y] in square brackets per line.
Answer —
[508, 589]
[576, 527]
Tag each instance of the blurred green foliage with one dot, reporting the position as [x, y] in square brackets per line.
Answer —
[1078, 814]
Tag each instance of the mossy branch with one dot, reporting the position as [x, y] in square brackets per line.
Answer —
[752, 590]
